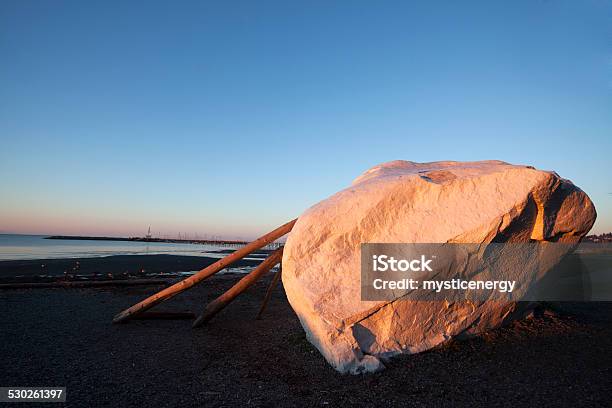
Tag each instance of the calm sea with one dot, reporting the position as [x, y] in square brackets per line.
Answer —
[37, 247]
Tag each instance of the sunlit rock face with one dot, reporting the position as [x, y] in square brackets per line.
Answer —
[407, 202]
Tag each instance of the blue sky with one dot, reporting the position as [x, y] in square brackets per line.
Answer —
[230, 118]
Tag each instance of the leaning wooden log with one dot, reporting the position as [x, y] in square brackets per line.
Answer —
[243, 284]
[83, 284]
[165, 316]
[204, 273]
[273, 284]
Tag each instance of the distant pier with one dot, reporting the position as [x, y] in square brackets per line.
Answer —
[215, 242]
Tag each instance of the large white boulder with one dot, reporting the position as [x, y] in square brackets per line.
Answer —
[408, 202]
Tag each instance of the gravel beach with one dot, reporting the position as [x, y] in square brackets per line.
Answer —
[64, 337]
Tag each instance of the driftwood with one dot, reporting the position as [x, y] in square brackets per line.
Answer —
[204, 273]
[82, 284]
[273, 284]
[165, 316]
[243, 284]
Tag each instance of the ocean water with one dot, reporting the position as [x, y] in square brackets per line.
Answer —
[13, 247]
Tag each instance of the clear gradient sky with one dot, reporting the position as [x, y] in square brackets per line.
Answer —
[232, 117]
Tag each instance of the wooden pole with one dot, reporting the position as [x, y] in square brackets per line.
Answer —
[204, 273]
[273, 284]
[243, 284]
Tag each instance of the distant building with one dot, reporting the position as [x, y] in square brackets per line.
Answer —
[601, 238]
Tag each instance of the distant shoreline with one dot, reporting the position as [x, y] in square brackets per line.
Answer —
[113, 267]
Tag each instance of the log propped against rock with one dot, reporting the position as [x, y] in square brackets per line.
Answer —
[268, 295]
[243, 284]
[210, 270]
